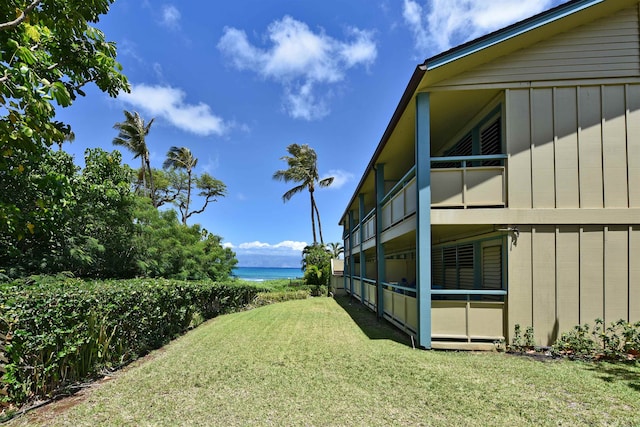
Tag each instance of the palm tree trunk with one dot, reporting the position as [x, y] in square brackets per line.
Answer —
[186, 209]
[153, 190]
[143, 168]
[319, 225]
[313, 220]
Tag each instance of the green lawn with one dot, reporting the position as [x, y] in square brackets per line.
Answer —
[321, 361]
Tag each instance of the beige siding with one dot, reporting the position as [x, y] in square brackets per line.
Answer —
[634, 273]
[590, 147]
[574, 147]
[616, 273]
[608, 47]
[542, 148]
[520, 291]
[562, 276]
[591, 274]
[518, 135]
[568, 277]
[565, 113]
[614, 147]
[544, 283]
[633, 144]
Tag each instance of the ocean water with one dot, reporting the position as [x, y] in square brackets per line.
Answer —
[260, 274]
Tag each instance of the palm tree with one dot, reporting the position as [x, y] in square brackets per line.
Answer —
[132, 133]
[336, 249]
[68, 136]
[182, 158]
[303, 169]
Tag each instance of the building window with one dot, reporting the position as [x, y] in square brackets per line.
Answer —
[476, 265]
[485, 138]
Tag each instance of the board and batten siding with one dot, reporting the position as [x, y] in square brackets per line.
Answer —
[562, 276]
[573, 147]
[606, 48]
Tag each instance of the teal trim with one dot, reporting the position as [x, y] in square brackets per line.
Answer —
[368, 216]
[467, 292]
[399, 186]
[505, 264]
[423, 231]
[469, 158]
[363, 264]
[508, 33]
[381, 268]
[351, 253]
[466, 242]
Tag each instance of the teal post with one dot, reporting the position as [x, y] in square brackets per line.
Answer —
[351, 253]
[346, 274]
[363, 266]
[423, 234]
[380, 263]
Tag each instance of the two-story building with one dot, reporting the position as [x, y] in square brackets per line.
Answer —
[506, 188]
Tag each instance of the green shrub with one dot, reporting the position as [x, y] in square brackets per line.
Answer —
[618, 341]
[57, 332]
[265, 298]
[520, 342]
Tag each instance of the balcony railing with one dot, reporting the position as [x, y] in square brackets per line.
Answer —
[475, 181]
[369, 230]
[401, 201]
[470, 184]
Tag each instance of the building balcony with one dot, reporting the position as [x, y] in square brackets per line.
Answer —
[473, 181]
[458, 182]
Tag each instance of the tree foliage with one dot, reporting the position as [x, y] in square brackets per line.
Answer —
[335, 249]
[90, 222]
[182, 181]
[48, 52]
[316, 264]
[302, 163]
[132, 134]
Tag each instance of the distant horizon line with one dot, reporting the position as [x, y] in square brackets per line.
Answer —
[256, 266]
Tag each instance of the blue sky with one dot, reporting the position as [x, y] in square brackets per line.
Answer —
[237, 82]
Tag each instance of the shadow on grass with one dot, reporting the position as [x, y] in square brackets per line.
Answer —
[625, 372]
[368, 322]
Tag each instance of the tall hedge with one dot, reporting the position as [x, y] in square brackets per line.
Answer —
[54, 333]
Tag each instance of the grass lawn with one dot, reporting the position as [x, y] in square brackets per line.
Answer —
[322, 361]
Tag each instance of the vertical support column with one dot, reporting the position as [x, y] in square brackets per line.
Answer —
[423, 233]
[363, 266]
[345, 271]
[380, 263]
[351, 253]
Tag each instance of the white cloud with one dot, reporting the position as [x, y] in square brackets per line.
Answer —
[438, 25]
[169, 103]
[303, 61]
[293, 245]
[284, 246]
[254, 245]
[287, 253]
[212, 164]
[157, 70]
[340, 178]
[170, 17]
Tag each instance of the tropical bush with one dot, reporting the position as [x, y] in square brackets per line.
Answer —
[316, 262]
[57, 332]
[620, 340]
[265, 298]
[91, 223]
